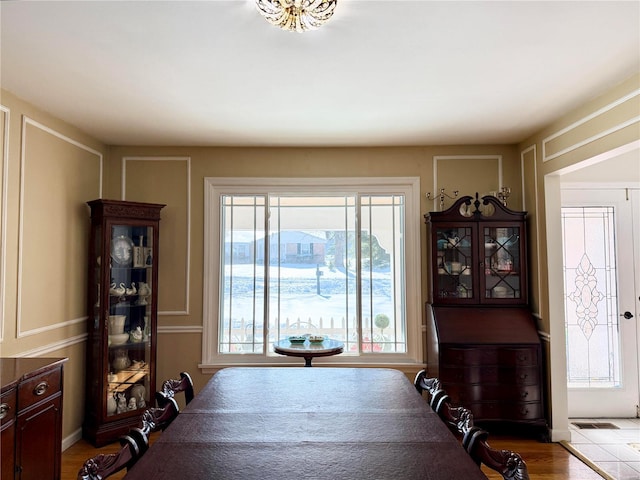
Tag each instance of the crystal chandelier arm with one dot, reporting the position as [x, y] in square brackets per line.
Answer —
[297, 15]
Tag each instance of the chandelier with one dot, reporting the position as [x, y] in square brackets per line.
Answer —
[297, 15]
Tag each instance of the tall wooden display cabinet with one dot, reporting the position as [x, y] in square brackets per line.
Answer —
[122, 317]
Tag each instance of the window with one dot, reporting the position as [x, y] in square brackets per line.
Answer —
[335, 257]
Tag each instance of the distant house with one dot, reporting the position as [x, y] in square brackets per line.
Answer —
[296, 246]
[241, 244]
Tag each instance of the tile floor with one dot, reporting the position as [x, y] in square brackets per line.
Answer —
[609, 449]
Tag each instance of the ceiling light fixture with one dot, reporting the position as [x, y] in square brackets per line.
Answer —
[297, 15]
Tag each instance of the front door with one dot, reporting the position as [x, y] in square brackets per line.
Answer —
[601, 301]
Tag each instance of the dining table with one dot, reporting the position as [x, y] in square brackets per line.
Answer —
[298, 423]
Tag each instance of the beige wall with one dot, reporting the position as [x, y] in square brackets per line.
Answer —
[49, 181]
[49, 170]
[45, 186]
[178, 180]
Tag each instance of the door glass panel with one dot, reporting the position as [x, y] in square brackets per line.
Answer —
[502, 262]
[591, 297]
[454, 263]
[129, 314]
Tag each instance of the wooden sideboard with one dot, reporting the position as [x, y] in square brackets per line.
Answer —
[31, 417]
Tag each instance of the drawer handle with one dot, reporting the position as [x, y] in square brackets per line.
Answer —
[4, 410]
[525, 394]
[41, 388]
[523, 376]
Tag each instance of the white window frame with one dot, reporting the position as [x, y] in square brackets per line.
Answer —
[215, 187]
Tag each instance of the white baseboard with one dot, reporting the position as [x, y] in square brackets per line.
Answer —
[71, 439]
[558, 435]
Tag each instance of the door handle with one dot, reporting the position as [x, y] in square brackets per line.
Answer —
[627, 315]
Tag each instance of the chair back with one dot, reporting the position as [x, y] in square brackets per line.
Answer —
[156, 419]
[474, 439]
[507, 463]
[172, 386]
[133, 446]
[422, 383]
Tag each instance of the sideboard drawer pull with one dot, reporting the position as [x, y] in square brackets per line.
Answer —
[40, 388]
[4, 410]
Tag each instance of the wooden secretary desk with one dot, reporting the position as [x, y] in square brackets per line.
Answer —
[489, 353]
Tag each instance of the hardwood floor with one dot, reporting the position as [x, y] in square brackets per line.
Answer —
[545, 461]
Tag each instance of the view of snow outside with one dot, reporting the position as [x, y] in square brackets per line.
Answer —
[313, 299]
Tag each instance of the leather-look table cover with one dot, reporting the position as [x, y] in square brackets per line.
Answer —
[307, 423]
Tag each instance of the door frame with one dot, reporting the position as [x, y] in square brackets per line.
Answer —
[625, 399]
[557, 371]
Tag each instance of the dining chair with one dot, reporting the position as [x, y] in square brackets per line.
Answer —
[506, 462]
[133, 446]
[459, 419]
[156, 419]
[474, 439]
[422, 383]
[172, 386]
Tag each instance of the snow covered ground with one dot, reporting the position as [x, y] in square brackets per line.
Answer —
[299, 299]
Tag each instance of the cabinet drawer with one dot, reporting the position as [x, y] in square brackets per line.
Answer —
[38, 388]
[468, 394]
[506, 411]
[468, 356]
[489, 356]
[489, 374]
[8, 407]
[518, 356]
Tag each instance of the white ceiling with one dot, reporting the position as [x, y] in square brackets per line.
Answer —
[393, 72]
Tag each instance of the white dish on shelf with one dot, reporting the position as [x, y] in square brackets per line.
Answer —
[118, 339]
[122, 250]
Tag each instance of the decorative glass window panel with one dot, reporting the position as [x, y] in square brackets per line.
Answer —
[591, 297]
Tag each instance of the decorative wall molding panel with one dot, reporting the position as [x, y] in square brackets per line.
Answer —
[181, 329]
[53, 347]
[585, 130]
[43, 248]
[170, 175]
[6, 117]
[445, 163]
[529, 169]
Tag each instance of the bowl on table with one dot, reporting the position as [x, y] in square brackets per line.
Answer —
[297, 338]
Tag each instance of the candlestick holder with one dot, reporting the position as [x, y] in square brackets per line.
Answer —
[503, 194]
[442, 195]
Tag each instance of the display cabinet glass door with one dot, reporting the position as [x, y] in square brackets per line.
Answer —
[454, 267]
[502, 262]
[128, 318]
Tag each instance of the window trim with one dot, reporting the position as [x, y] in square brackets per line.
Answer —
[214, 187]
